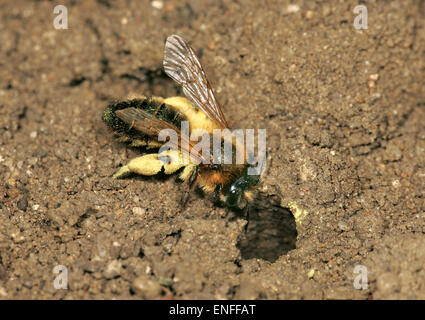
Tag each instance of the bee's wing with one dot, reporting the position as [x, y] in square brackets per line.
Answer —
[182, 65]
[149, 125]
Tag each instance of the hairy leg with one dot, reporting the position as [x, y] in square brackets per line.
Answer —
[152, 164]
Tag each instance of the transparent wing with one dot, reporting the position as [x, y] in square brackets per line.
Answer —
[147, 123]
[182, 65]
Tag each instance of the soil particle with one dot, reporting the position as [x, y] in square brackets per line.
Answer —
[396, 267]
[113, 269]
[146, 287]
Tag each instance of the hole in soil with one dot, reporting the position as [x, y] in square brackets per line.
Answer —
[271, 233]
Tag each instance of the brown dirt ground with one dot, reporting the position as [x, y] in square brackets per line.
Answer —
[346, 152]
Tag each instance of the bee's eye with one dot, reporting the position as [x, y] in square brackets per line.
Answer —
[234, 196]
[215, 167]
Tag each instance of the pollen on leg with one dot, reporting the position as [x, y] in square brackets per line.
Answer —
[151, 164]
[123, 171]
[187, 172]
[147, 165]
[174, 163]
[152, 144]
[138, 143]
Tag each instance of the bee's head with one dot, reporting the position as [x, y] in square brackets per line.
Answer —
[236, 191]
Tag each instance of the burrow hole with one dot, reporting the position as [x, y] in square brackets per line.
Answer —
[271, 232]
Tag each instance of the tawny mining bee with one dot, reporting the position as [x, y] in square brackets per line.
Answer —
[230, 177]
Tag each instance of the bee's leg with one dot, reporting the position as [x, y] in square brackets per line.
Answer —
[217, 190]
[192, 182]
[219, 202]
[246, 213]
[194, 176]
[151, 164]
[122, 172]
[226, 212]
[146, 165]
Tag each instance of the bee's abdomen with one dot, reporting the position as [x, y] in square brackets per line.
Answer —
[126, 133]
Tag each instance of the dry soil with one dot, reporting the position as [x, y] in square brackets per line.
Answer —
[344, 188]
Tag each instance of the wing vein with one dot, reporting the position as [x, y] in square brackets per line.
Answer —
[182, 65]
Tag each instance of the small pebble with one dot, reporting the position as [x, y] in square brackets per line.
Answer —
[113, 269]
[292, 8]
[23, 203]
[374, 77]
[167, 282]
[146, 287]
[343, 226]
[138, 211]
[3, 292]
[309, 14]
[157, 4]
[396, 183]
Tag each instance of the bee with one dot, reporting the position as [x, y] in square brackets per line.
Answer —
[140, 121]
